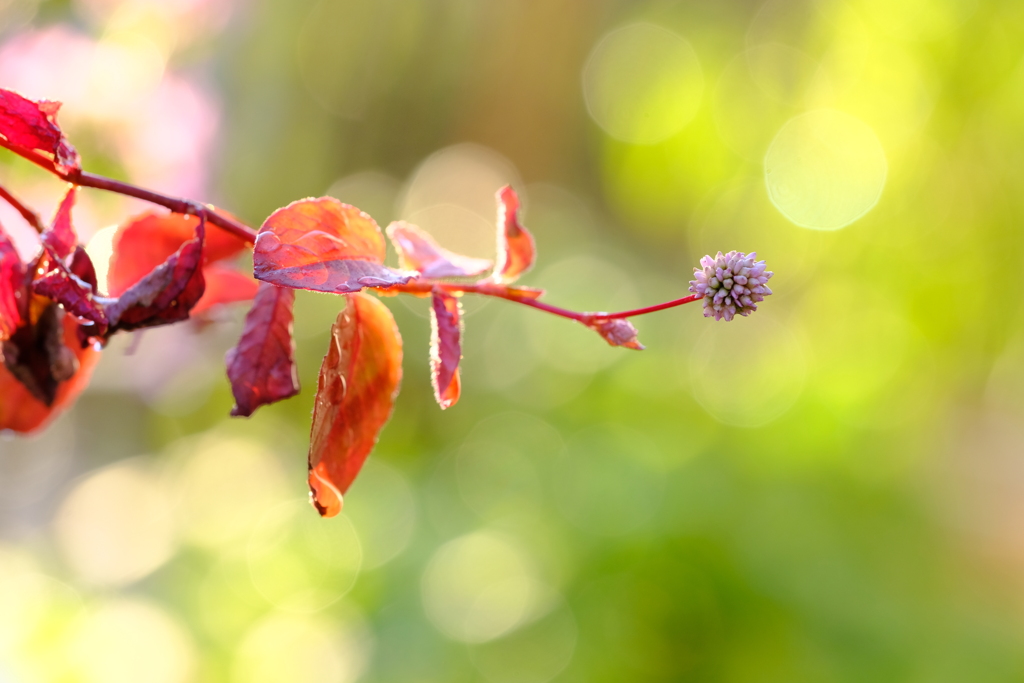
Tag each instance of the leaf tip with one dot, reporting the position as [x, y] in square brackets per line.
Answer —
[323, 495]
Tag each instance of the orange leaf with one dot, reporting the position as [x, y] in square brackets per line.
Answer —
[325, 246]
[515, 244]
[418, 251]
[145, 241]
[21, 410]
[225, 286]
[358, 384]
[445, 348]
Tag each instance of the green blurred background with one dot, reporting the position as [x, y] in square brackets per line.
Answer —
[830, 490]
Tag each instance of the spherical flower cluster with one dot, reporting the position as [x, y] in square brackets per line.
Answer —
[730, 283]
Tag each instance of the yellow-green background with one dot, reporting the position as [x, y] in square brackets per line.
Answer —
[830, 490]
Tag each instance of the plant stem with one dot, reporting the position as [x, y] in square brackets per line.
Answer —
[522, 296]
[28, 214]
[509, 294]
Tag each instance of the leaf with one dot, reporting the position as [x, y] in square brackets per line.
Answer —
[167, 294]
[358, 384]
[445, 348]
[60, 237]
[12, 287]
[28, 127]
[21, 410]
[418, 251]
[145, 241]
[81, 267]
[325, 246]
[515, 244]
[76, 296]
[617, 332]
[262, 366]
[225, 286]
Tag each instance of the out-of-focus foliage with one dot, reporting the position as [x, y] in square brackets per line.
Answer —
[829, 490]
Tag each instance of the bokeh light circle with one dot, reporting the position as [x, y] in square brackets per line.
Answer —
[825, 169]
[116, 526]
[643, 83]
[286, 647]
[479, 587]
[301, 563]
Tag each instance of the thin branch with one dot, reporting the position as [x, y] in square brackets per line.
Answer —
[246, 233]
[28, 214]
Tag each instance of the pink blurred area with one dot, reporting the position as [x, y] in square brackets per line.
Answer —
[159, 125]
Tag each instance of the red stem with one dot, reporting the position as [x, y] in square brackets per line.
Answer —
[28, 214]
[244, 232]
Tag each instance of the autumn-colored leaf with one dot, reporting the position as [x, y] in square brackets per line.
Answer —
[358, 384]
[225, 286]
[81, 267]
[515, 244]
[167, 294]
[30, 128]
[617, 332]
[12, 285]
[76, 296]
[145, 241]
[445, 347]
[325, 246]
[418, 251]
[60, 237]
[61, 356]
[262, 366]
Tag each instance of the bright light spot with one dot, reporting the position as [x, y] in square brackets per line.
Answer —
[294, 648]
[116, 525]
[385, 515]
[123, 72]
[225, 486]
[100, 248]
[479, 587]
[825, 169]
[451, 196]
[27, 600]
[534, 654]
[129, 641]
[300, 562]
[642, 83]
[747, 372]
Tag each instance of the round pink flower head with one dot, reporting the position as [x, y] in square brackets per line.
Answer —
[730, 283]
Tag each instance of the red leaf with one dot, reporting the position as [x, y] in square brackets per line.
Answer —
[148, 239]
[358, 384]
[325, 246]
[167, 294]
[60, 237]
[225, 286]
[418, 251]
[76, 296]
[28, 127]
[21, 410]
[262, 367]
[12, 287]
[82, 268]
[445, 348]
[515, 244]
[617, 332]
